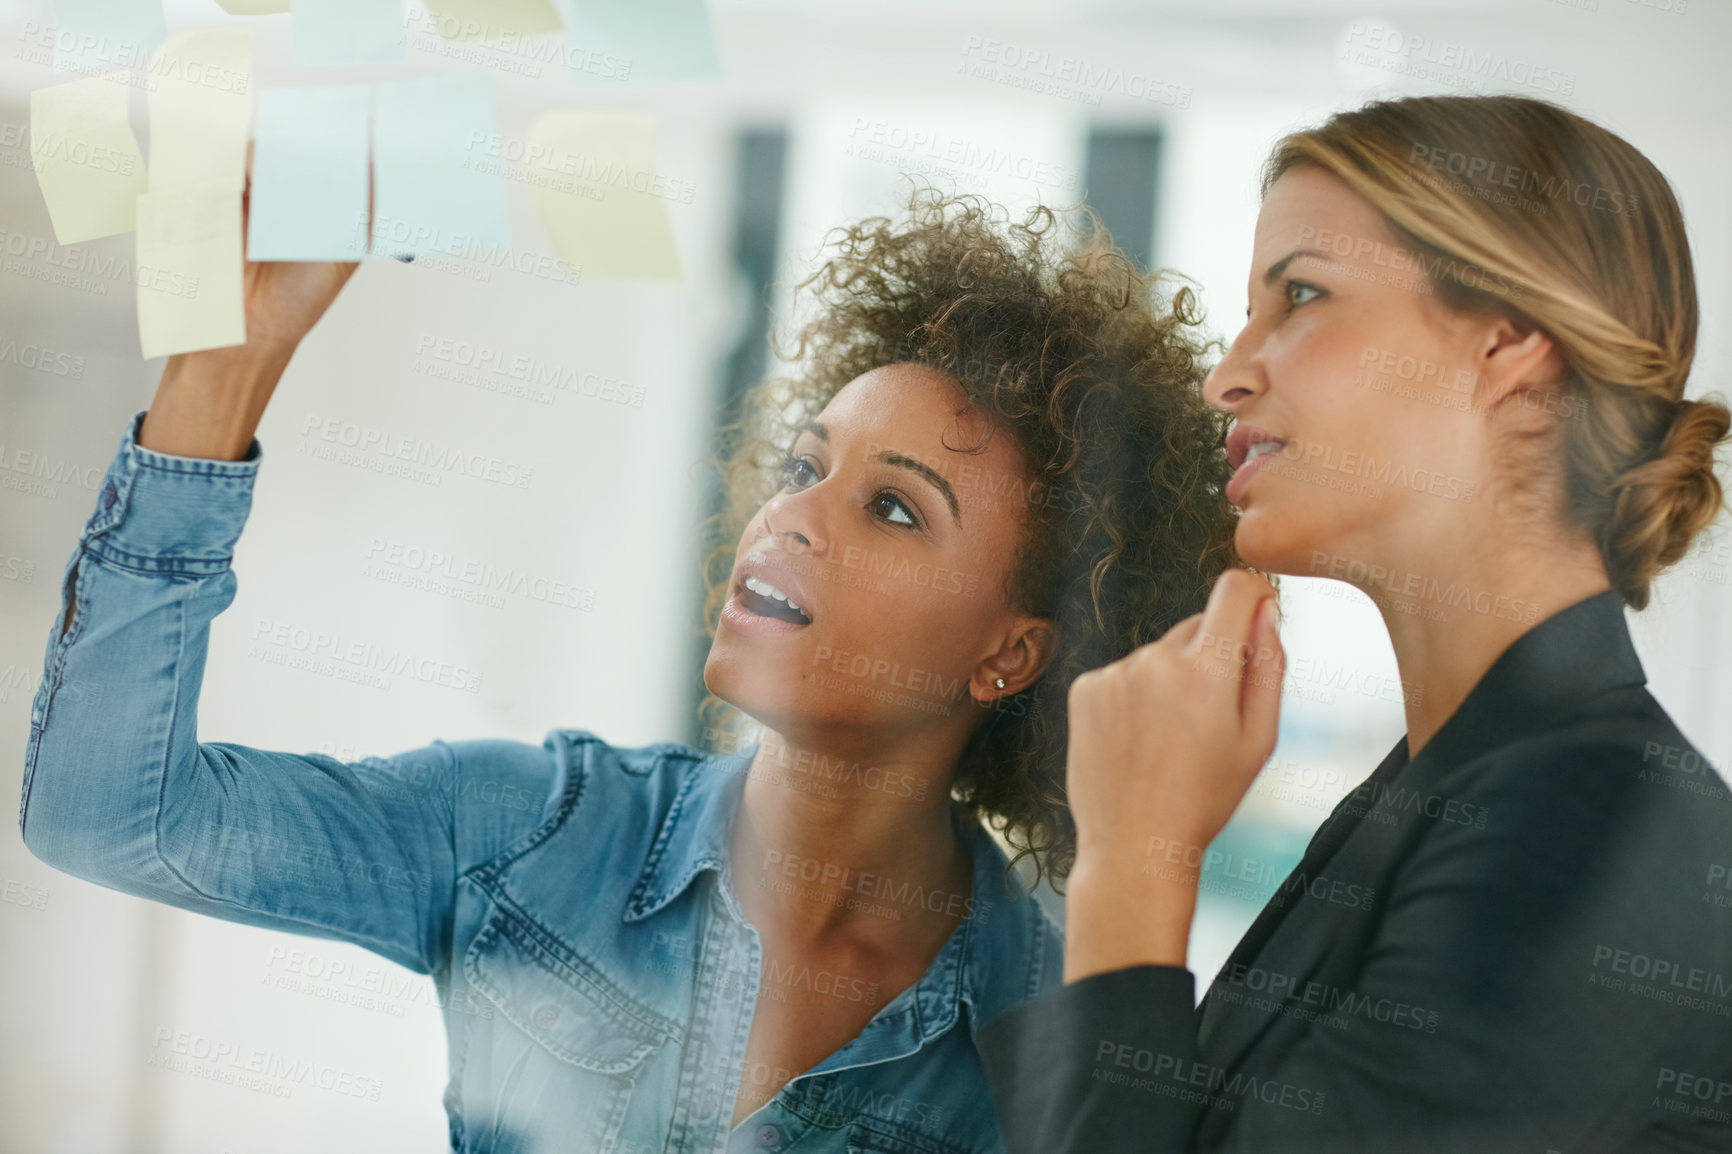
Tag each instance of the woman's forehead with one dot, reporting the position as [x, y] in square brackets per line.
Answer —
[923, 407]
[1306, 202]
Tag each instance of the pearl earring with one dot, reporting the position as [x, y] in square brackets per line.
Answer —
[998, 682]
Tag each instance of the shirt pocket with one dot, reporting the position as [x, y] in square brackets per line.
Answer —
[555, 1068]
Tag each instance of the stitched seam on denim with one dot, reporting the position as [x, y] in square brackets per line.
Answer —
[641, 1048]
[535, 938]
[905, 1138]
[662, 750]
[950, 1008]
[383, 946]
[646, 1037]
[484, 874]
[805, 1103]
[32, 748]
[447, 945]
[588, 979]
[144, 563]
[1041, 929]
[639, 901]
[80, 597]
[144, 458]
[52, 675]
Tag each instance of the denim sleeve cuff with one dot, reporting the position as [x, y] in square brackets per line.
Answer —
[157, 512]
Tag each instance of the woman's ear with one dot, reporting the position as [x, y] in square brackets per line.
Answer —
[1027, 650]
[1511, 357]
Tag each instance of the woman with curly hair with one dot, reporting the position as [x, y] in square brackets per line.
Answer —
[991, 470]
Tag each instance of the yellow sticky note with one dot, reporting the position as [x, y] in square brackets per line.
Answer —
[472, 19]
[189, 269]
[86, 158]
[201, 103]
[599, 195]
[253, 7]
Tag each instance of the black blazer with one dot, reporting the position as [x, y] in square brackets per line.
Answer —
[1519, 940]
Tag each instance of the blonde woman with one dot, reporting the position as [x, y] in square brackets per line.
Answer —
[1460, 387]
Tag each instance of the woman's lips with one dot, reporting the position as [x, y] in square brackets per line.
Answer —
[742, 620]
[758, 606]
[1235, 491]
[765, 589]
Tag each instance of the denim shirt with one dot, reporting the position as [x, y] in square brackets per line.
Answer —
[571, 901]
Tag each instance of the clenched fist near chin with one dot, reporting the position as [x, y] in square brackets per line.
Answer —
[1163, 745]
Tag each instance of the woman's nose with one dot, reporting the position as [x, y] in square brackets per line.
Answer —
[1236, 379]
[796, 519]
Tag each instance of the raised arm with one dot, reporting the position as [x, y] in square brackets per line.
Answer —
[117, 787]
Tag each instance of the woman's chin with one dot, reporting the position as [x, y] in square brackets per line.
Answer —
[761, 695]
[1272, 545]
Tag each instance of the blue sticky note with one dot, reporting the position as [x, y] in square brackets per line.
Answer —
[435, 188]
[346, 31]
[309, 196]
[655, 39]
[90, 33]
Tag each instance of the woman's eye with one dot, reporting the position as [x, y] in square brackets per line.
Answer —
[891, 508]
[797, 472]
[1296, 287]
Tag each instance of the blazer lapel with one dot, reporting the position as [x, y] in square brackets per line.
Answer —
[1567, 659]
[1225, 1032]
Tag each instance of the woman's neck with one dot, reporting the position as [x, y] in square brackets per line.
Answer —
[1496, 594]
[833, 842]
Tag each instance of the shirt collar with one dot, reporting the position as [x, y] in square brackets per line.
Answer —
[1568, 659]
[992, 961]
[695, 833]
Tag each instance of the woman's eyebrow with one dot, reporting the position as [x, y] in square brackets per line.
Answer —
[932, 476]
[1280, 266]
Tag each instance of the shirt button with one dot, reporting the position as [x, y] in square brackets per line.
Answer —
[545, 1017]
[769, 1136]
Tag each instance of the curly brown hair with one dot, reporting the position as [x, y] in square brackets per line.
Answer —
[1097, 373]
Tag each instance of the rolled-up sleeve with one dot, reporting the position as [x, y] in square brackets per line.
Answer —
[118, 790]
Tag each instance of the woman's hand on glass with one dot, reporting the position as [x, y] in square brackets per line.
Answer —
[285, 298]
[209, 403]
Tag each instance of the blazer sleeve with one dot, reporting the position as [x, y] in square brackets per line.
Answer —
[119, 790]
[1505, 944]
[1065, 1067]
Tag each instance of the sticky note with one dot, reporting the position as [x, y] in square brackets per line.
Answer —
[309, 195]
[253, 7]
[661, 39]
[189, 269]
[434, 187]
[472, 19]
[86, 158]
[346, 31]
[594, 182]
[90, 33]
[201, 103]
